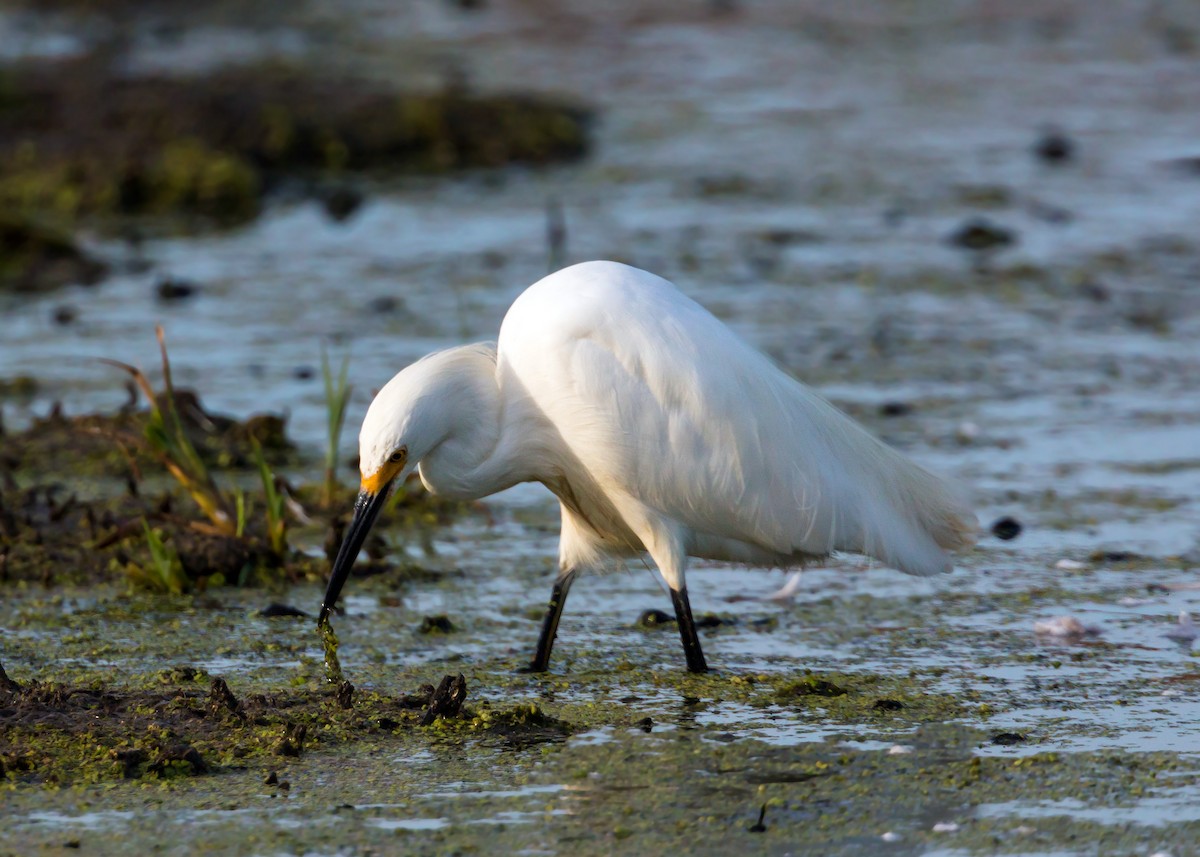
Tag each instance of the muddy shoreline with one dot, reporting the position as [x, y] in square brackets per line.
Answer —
[970, 228]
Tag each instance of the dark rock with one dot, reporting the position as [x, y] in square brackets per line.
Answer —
[276, 610]
[888, 705]
[170, 289]
[980, 234]
[1114, 556]
[653, 619]
[1006, 528]
[895, 409]
[1007, 739]
[1054, 147]
[341, 202]
[385, 305]
[440, 624]
[304, 373]
[271, 779]
[64, 314]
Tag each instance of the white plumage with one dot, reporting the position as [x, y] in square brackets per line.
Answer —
[659, 430]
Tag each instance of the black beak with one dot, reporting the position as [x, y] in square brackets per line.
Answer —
[366, 510]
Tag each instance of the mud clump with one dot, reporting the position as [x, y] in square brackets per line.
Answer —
[80, 139]
[447, 700]
[38, 258]
[52, 734]
[109, 444]
[51, 534]
[653, 619]
[811, 686]
[981, 235]
[1006, 528]
[439, 624]
[1054, 147]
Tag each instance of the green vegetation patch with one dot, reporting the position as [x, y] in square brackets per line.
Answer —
[78, 139]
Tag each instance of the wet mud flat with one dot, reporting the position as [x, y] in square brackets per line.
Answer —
[874, 200]
[967, 733]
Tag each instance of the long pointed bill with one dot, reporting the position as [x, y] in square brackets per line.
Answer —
[366, 510]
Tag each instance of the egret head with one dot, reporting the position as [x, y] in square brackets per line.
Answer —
[409, 418]
[385, 455]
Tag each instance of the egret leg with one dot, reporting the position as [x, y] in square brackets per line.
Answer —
[687, 631]
[558, 597]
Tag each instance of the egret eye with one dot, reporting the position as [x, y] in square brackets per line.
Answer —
[397, 456]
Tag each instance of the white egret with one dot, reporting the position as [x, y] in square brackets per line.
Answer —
[658, 430]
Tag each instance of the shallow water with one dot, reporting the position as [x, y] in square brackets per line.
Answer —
[798, 172]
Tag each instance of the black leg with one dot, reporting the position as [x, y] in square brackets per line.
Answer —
[558, 597]
[687, 631]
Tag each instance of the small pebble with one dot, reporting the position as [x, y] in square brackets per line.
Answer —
[895, 409]
[966, 432]
[171, 289]
[275, 610]
[64, 314]
[1054, 147]
[1007, 739]
[981, 234]
[1006, 528]
[385, 305]
[945, 827]
[891, 836]
[1070, 565]
[899, 750]
[341, 202]
[1067, 627]
[439, 624]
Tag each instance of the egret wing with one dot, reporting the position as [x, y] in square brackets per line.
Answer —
[658, 399]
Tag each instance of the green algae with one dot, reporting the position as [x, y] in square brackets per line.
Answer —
[659, 776]
[329, 645]
[209, 148]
